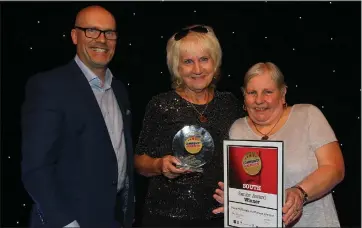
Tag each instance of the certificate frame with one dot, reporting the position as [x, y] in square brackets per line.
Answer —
[253, 183]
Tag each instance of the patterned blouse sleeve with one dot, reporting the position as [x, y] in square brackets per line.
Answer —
[236, 112]
[149, 127]
[239, 111]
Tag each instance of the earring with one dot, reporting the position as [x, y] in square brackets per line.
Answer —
[244, 107]
[285, 105]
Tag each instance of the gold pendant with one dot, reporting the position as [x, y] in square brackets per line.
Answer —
[202, 119]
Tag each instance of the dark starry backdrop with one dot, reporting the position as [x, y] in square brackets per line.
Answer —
[316, 44]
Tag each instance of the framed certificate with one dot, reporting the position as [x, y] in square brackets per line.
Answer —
[253, 183]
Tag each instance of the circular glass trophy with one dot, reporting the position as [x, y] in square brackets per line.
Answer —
[193, 146]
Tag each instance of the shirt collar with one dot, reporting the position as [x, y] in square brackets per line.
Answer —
[92, 78]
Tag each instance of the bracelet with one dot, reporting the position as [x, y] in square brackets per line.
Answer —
[305, 195]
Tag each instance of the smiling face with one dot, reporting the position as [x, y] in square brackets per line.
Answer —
[263, 99]
[196, 67]
[94, 53]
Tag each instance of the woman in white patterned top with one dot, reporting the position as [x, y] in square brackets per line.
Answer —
[313, 160]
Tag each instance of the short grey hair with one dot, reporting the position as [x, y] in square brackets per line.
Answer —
[261, 68]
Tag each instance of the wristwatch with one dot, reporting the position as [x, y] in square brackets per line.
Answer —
[305, 195]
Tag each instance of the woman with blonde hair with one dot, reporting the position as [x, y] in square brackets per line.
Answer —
[177, 196]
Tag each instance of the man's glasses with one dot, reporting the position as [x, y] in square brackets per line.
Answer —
[184, 32]
[95, 33]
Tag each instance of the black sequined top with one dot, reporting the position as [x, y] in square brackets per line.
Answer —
[188, 196]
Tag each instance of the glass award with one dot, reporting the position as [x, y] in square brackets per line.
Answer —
[193, 146]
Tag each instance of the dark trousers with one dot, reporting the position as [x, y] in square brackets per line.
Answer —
[118, 209]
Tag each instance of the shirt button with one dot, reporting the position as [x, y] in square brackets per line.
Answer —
[114, 182]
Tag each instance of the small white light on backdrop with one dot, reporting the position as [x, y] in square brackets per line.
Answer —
[38, 22]
[296, 85]
[134, 14]
[194, 11]
[130, 44]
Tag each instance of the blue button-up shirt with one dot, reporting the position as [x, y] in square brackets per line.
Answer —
[111, 114]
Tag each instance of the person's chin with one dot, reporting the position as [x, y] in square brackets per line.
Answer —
[201, 85]
[99, 63]
[200, 88]
[100, 57]
[259, 119]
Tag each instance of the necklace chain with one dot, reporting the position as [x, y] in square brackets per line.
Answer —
[202, 118]
[202, 113]
[266, 136]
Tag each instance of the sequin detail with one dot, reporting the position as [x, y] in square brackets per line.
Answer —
[189, 196]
